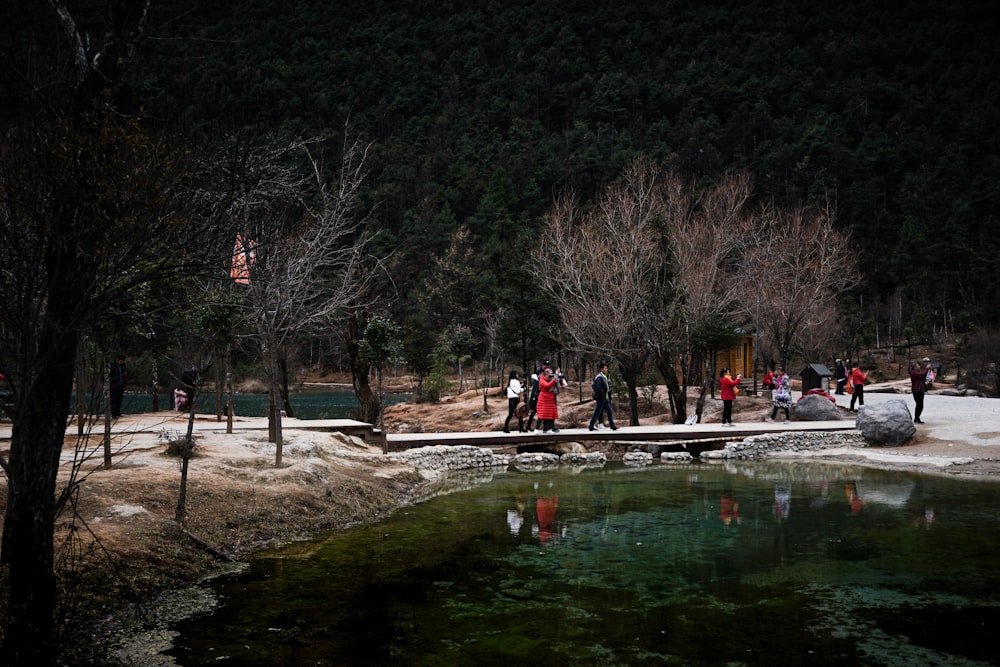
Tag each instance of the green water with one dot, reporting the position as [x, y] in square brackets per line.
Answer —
[753, 564]
[314, 405]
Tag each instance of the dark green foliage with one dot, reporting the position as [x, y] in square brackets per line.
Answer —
[481, 112]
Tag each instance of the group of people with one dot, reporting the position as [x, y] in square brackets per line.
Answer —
[545, 385]
[850, 379]
[776, 380]
[118, 378]
[542, 404]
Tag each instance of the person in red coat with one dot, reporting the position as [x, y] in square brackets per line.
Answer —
[857, 379]
[728, 395]
[918, 387]
[548, 411]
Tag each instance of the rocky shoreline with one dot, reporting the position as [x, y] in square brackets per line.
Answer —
[438, 459]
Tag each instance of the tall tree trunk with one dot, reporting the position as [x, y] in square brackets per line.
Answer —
[220, 388]
[283, 377]
[371, 407]
[186, 450]
[155, 368]
[676, 392]
[229, 389]
[630, 367]
[29, 520]
[106, 386]
[81, 394]
[274, 418]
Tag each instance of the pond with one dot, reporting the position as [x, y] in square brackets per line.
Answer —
[703, 564]
[308, 405]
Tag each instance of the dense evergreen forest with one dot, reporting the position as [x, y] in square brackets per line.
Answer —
[479, 113]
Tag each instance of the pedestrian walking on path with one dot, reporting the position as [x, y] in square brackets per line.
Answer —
[602, 400]
[857, 383]
[782, 395]
[514, 392]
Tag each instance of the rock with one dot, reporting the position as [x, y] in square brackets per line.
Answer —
[889, 423]
[816, 408]
[584, 458]
[536, 458]
[676, 457]
[637, 458]
[566, 448]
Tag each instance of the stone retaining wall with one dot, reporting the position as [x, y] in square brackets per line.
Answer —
[759, 446]
[462, 457]
[446, 457]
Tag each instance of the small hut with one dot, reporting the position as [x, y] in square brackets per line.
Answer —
[816, 376]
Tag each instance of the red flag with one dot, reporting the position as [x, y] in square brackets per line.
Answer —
[243, 256]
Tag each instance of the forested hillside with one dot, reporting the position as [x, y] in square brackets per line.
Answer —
[481, 112]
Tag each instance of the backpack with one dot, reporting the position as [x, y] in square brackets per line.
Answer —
[600, 387]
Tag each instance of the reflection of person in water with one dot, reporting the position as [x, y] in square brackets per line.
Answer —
[545, 508]
[515, 516]
[782, 500]
[729, 510]
[853, 497]
[921, 516]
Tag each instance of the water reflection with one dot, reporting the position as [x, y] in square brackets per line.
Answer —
[782, 500]
[801, 563]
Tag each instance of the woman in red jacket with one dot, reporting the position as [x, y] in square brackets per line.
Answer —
[548, 412]
[728, 395]
[857, 380]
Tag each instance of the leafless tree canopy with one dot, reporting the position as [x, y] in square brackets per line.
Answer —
[654, 258]
[798, 265]
[302, 245]
[600, 267]
[708, 232]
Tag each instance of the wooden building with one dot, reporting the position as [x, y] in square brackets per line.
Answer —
[739, 359]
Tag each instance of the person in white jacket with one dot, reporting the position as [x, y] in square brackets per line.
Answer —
[514, 391]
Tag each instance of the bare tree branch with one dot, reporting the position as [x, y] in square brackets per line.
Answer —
[799, 265]
[308, 249]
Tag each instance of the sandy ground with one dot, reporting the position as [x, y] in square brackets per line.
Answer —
[122, 520]
[960, 434]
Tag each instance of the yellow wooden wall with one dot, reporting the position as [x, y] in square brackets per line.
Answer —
[739, 360]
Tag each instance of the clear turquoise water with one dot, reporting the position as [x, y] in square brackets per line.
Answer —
[752, 564]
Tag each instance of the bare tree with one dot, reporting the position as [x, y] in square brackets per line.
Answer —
[798, 265]
[707, 234]
[706, 231]
[307, 245]
[493, 358]
[603, 270]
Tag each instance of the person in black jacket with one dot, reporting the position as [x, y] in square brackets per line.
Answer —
[602, 400]
[532, 402]
[840, 372]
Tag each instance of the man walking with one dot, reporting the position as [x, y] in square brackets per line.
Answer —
[602, 399]
[857, 380]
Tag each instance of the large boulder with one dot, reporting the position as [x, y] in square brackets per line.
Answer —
[888, 423]
[816, 408]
